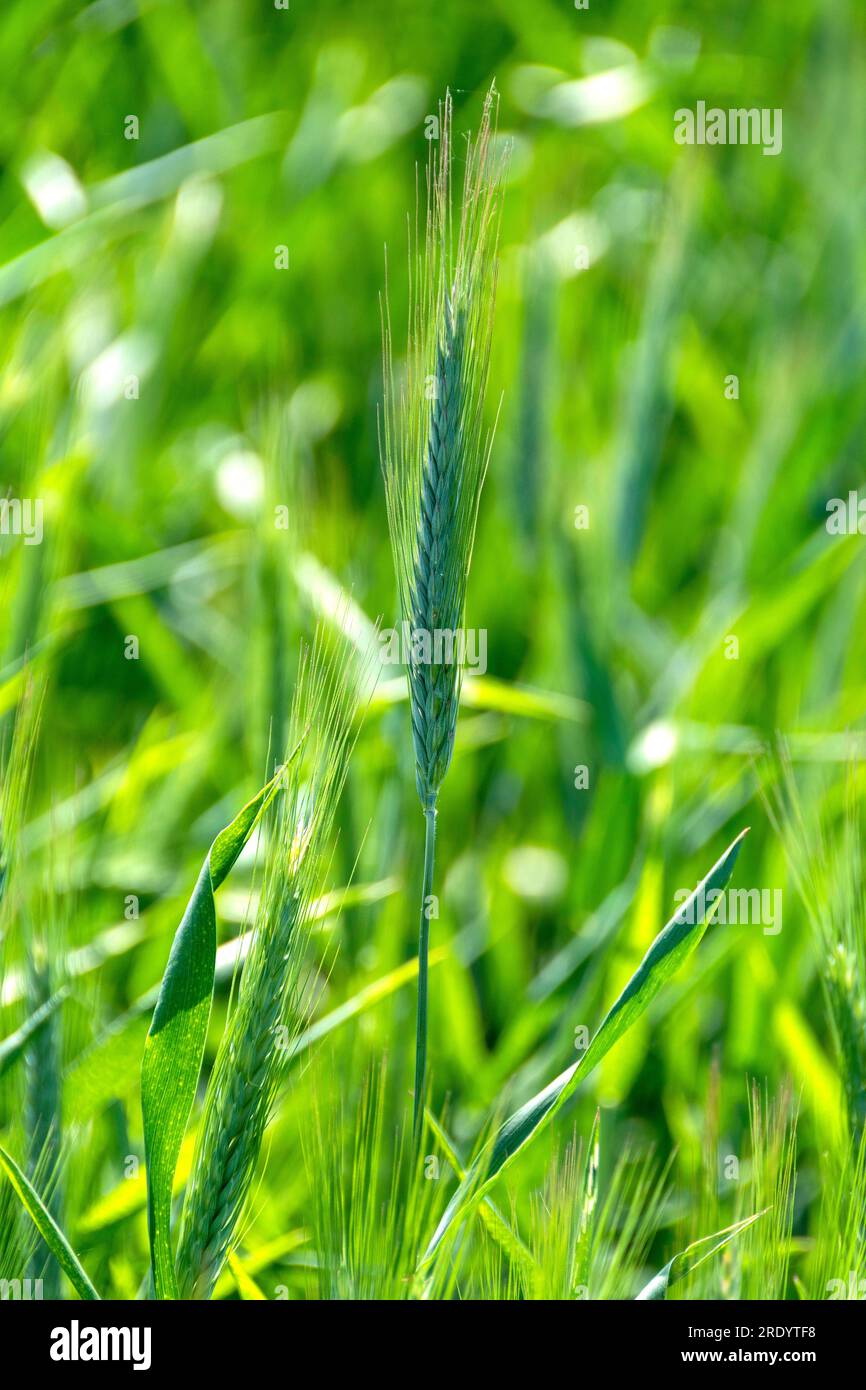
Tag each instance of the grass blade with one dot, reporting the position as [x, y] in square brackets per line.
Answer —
[666, 954]
[47, 1227]
[683, 1264]
[12, 1047]
[175, 1043]
[498, 1227]
[246, 1284]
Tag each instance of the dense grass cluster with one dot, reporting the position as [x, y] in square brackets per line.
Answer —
[622, 386]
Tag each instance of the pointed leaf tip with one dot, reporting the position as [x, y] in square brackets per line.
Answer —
[674, 943]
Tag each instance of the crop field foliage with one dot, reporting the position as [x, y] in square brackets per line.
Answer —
[432, 686]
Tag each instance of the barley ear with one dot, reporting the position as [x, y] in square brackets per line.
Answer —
[269, 1012]
[435, 449]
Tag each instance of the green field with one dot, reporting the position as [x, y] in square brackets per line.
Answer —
[203, 208]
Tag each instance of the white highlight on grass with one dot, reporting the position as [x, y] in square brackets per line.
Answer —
[654, 747]
[132, 354]
[240, 483]
[53, 189]
[535, 873]
[603, 96]
[314, 409]
[366, 131]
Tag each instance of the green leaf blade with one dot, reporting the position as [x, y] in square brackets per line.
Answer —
[14, 1046]
[670, 948]
[688, 1260]
[48, 1228]
[175, 1043]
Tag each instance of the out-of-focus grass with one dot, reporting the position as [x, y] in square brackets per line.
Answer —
[165, 388]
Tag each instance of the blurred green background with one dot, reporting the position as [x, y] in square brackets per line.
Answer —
[190, 339]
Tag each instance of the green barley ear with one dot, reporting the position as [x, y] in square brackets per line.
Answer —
[435, 449]
[269, 1013]
[433, 442]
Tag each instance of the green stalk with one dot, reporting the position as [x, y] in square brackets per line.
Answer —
[423, 952]
[42, 1109]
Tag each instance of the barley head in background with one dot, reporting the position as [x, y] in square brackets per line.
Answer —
[272, 1000]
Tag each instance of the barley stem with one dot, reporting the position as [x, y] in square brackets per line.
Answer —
[423, 949]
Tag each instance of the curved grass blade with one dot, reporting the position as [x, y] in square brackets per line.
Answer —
[505, 1236]
[365, 999]
[263, 1258]
[174, 1046]
[47, 1227]
[248, 1289]
[12, 1047]
[103, 1071]
[673, 944]
[683, 1263]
